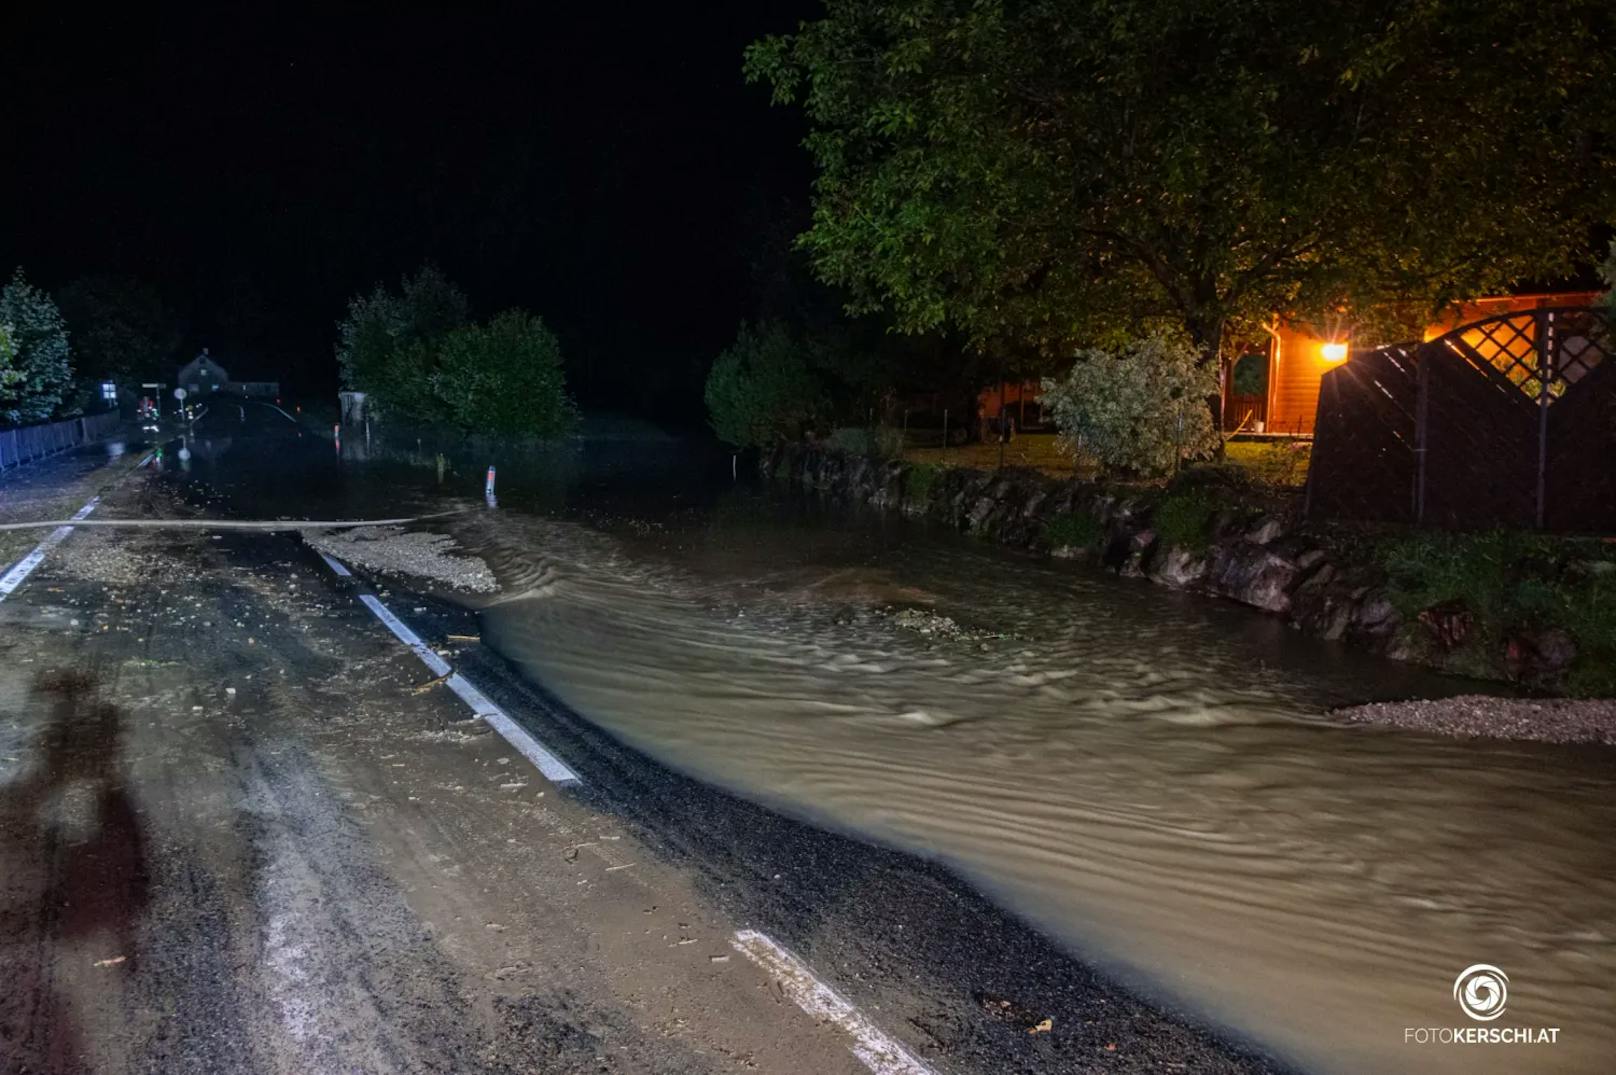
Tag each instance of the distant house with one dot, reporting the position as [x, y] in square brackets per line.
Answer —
[1283, 395]
[202, 376]
[259, 389]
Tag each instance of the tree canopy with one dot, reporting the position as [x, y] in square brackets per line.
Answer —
[761, 388]
[121, 327]
[1050, 174]
[35, 368]
[504, 378]
[417, 353]
[384, 324]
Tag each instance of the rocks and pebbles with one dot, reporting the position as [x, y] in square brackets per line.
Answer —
[1482, 716]
[394, 550]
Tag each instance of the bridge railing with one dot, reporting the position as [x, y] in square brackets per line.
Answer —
[24, 444]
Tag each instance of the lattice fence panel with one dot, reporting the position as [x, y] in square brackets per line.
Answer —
[1506, 422]
[1580, 463]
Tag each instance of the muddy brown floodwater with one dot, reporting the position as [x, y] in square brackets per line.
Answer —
[1152, 780]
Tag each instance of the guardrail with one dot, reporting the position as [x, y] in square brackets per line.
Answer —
[27, 443]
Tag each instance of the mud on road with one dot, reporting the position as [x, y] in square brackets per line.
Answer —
[236, 835]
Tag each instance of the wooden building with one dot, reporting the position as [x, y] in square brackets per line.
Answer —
[1299, 355]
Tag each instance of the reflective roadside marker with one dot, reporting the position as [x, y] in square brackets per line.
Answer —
[488, 486]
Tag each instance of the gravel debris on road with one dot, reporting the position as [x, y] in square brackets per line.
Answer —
[395, 550]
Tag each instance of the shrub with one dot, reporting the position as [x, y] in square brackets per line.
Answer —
[1183, 517]
[504, 378]
[1074, 529]
[1142, 410]
[760, 390]
[38, 373]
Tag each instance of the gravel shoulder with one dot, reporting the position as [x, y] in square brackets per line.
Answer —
[1468, 716]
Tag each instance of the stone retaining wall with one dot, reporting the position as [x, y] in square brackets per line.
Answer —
[1252, 549]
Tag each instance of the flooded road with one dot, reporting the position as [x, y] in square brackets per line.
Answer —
[1149, 778]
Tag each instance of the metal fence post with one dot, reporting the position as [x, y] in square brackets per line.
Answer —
[1544, 325]
[1422, 426]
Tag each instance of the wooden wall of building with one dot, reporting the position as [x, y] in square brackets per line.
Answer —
[1297, 363]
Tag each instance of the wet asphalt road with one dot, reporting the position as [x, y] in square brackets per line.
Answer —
[330, 869]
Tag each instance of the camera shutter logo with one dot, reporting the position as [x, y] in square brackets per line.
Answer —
[1482, 991]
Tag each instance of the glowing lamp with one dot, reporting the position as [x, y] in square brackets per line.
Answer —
[1334, 351]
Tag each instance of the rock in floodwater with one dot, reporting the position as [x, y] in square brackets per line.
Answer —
[930, 624]
[1179, 568]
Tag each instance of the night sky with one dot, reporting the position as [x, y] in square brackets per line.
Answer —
[612, 172]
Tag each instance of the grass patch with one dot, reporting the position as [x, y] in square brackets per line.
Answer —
[1282, 464]
[1033, 451]
[1077, 529]
[879, 442]
[1510, 582]
[918, 481]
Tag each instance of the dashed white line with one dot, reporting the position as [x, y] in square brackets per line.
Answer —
[875, 1049]
[25, 567]
[429, 658]
[554, 769]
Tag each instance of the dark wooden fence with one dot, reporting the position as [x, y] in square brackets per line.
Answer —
[1509, 421]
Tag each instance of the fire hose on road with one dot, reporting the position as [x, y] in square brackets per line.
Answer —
[228, 524]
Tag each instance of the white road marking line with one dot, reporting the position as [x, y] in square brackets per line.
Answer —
[25, 567]
[878, 1052]
[337, 566]
[554, 769]
[439, 666]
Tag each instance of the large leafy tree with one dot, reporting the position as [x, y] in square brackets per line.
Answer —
[36, 339]
[9, 374]
[1049, 174]
[762, 390]
[384, 329]
[505, 378]
[121, 327]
